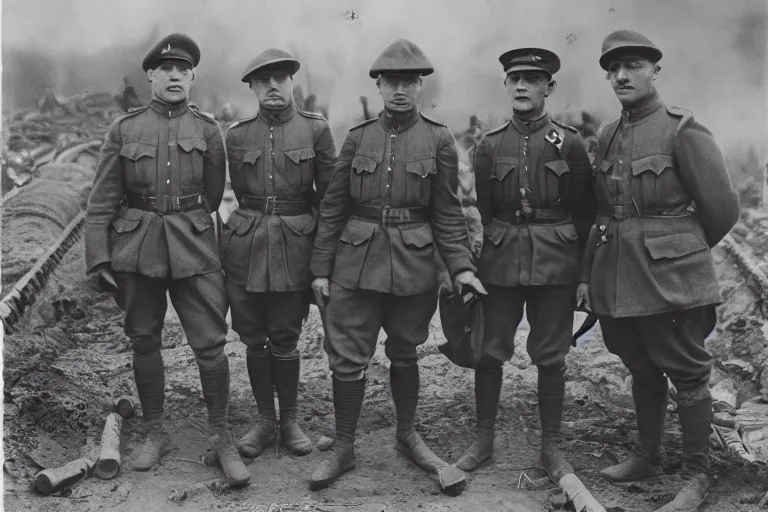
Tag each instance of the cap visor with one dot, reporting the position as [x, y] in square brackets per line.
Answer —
[526, 67]
[183, 59]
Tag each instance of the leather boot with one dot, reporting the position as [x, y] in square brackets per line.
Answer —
[695, 411]
[650, 396]
[214, 377]
[347, 402]
[149, 373]
[487, 390]
[405, 392]
[551, 384]
[285, 375]
[264, 431]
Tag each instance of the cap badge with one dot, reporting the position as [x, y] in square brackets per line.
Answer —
[535, 58]
[166, 49]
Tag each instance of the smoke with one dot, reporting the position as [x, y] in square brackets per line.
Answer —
[714, 52]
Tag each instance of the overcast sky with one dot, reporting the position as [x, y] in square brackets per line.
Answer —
[714, 51]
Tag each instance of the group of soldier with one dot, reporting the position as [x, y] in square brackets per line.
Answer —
[367, 235]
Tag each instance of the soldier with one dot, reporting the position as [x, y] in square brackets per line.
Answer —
[664, 200]
[275, 159]
[390, 203]
[149, 231]
[129, 99]
[533, 181]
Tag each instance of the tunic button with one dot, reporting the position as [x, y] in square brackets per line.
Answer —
[270, 176]
[169, 164]
[387, 185]
[526, 137]
[167, 181]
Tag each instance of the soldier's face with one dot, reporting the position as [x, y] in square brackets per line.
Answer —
[399, 91]
[632, 78]
[274, 89]
[172, 80]
[528, 91]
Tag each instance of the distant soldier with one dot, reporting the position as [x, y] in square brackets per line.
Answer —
[664, 200]
[149, 232]
[129, 97]
[390, 206]
[533, 181]
[280, 162]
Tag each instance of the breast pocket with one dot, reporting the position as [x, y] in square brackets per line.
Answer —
[655, 182]
[299, 167]
[556, 181]
[418, 182]
[502, 166]
[364, 180]
[140, 163]
[191, 156]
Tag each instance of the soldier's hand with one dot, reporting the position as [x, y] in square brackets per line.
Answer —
[322, 290]
[444, 281]
[105, 277]
[582, 297]
[468, 279]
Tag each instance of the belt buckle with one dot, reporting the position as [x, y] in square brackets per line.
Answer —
[385, 215]
[176, 203]
[267, 209]
[618, 212]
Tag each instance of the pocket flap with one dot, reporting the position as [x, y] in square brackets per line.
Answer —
[356, 233]
[127, 220]
[495, 232]
[301, 224]
[189, 144]
[557, 166]
[201, 221]
[135, 150]
[417, 237]
[422, 168]
[240, 223]
[567, 233]
[361, 164]
[674, 245]
[502, 165]
[655, 163]
[297, 155]
[605, 166]
[251, 155]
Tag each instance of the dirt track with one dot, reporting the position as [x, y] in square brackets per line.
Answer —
[83, 363]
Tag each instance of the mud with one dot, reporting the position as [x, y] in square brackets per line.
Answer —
[72, 360]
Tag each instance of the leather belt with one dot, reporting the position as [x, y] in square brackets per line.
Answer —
[619, 213]
[271, 205]
[389, 215]
[536, 215]
[164, 204]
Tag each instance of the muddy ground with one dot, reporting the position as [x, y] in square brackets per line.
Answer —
[72, 359]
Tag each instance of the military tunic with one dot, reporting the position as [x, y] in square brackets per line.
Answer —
[532, 259]
[391, 201]
[280, 163]
[664, 199]
[161, 173]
